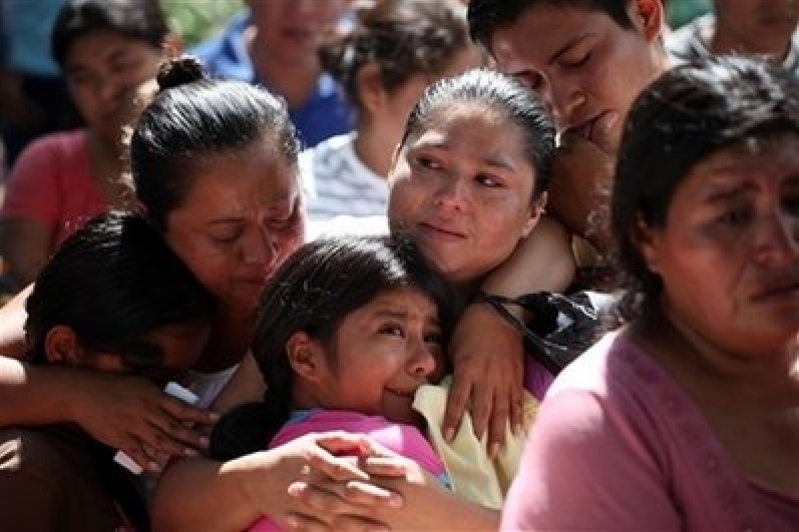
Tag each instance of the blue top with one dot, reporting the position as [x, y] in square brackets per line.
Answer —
[326, 112]
[25, 36]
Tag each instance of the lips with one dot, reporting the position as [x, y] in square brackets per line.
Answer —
[788, 286]
[408, 394]
[437, 231]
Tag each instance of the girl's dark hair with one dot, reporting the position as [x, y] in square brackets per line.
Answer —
[112, 282]
[683, 117]
[404, 38]
[486, 17]
[499, 93]
[141, 20]
[193, 118]
[314, 290]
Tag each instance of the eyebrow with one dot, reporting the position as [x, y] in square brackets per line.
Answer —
[501, 163]
[730, 194]
[493, 161]
[115, 55]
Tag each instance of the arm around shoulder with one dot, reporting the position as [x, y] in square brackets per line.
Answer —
[541, 262]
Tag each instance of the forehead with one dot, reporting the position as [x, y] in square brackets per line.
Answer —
[554, 27]
[754, 163]
[405, 301]
[98, 46]
[259, 173]
[486, 128]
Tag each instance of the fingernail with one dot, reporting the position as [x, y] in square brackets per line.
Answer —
[204, 441]
[518, 429]
[213, 416]
[449, 434]
[188, 451]
[395, 502]
[292, 521]
[493, 450]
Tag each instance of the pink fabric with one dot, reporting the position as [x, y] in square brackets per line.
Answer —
[406, 440]
[51, 183]
[537, 379]
[618, 445]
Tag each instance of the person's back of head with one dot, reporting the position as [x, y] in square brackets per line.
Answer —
[139, 20]
[321, 284]
[192, 118]
[683, 117]
[113, 283]
[404, 38]
[488, 16]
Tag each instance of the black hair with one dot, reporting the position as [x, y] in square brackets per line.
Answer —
[112, 282]
[404, 38]
[502, 94]
[314, 291]
[193, 118]
[683, 117]
[488, 16]
[140, 20]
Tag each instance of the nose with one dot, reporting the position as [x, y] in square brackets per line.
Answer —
[108, 88]
[565, 99]
[261, 249]
[451, 194]
[423, 362]
[777, 239]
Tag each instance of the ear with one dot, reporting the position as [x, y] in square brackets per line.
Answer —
[648, 242]
[648, 17]
[172, 46]
[536, 210]
[61, 346]
[306, 356]
[369, 87]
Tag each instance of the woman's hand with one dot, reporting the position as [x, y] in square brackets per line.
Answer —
[487, 355]
[389, 492]
[133, 415]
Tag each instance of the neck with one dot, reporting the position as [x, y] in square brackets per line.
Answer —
[766, 379]
[293, 80]
[231, 336]
[374, 148]
[722, 39]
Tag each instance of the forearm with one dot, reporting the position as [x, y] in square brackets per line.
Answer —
[541, 262]
[199, 494]
[36, 395]
[463, 515]
[12, 325]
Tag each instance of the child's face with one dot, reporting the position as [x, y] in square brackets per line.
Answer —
[104, 70]
[382, 353]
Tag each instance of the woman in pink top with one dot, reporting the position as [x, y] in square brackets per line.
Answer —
[687, 418]
[107, 50]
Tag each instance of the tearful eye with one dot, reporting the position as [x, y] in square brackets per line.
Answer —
[392, 330]
[487, 181]
[735, 217]
[434, 338]
[428, 162]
